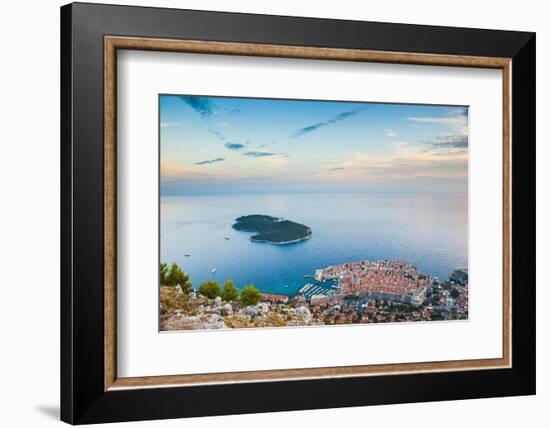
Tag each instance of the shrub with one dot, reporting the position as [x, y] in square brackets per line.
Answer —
[163, 273]
[174, 276]
[210, 289]
[230, 292]
[250, 295]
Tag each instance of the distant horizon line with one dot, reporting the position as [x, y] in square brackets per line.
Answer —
[310, 192]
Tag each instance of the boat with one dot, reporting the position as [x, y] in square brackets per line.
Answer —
[187, 255]
[227, 238]
[214, 270]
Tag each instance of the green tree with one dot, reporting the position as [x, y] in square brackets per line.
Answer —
[163, 273]
[210, 289]
[250, 295]
[229, 291]
[177, 276]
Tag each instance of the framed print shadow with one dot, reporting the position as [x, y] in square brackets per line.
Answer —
[255, 208]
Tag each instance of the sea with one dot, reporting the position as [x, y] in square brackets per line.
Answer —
[430, 231]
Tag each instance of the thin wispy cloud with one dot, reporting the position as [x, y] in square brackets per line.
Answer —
[335, 119]
[202, 106]
[274, 161]
[258, 154]
[209, 161]
[456, 121]
[218, 134]
[443, 120]
[176, 175]
[450, 142]
[219, 121]
[337, 168]
[390, 133]
[171, 124]
[234, 146]
[402, 164]
[170, 171]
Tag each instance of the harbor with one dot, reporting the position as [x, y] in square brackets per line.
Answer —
[318, 288]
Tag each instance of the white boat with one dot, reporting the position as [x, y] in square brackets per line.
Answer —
[214, 270]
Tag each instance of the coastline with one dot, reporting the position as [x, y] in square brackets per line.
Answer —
[283, 274]
[411, 297]
[294, 241]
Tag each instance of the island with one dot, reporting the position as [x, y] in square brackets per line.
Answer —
[272, 230]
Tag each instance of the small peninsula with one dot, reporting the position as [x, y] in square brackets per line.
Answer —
[272, 230]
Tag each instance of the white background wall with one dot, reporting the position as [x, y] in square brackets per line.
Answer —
[29, 215]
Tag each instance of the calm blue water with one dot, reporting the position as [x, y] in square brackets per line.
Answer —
[431, 232]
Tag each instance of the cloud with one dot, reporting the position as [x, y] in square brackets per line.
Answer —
[404, 164]
[335, 119]
[275, 161]
[209, 161]
[443, 120]
[217, 133]
[455, 140]
[269, 159]
[202, 106]
[457, 121]
[181, 177]
[172, 172]
[171, 124]
[258, 154]
[390, 133]
[234, 146]
[218, 120]
[450, 142]
[399, 144]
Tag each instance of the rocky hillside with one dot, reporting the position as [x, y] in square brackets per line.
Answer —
[179, 311]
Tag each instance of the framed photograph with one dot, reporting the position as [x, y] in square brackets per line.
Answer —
[273, 213]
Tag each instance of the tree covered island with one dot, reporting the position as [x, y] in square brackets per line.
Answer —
[272, 230]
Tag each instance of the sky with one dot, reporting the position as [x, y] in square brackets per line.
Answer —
[217, 145]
